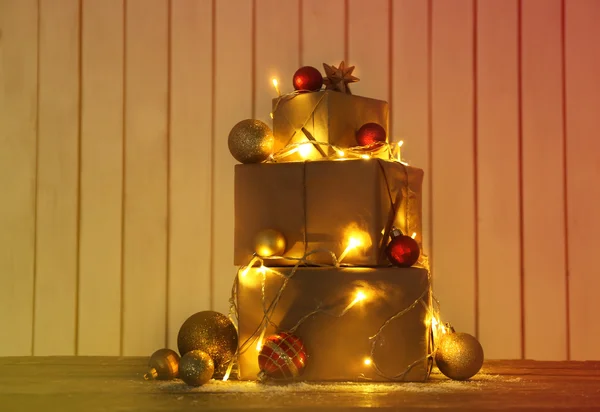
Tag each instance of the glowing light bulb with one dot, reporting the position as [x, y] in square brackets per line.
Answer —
[262, 269]
[341, 153]
[360, 295]
[399, 153]
[352, 243]
[259, 344]
[226, 376]
[367, 361]
[304, 150]
[414, 235]
[365, 156]
[276, 85]
[271, 115]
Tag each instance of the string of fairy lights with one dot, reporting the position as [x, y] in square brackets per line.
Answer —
[257, 337]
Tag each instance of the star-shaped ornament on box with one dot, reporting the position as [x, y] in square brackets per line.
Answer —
[338, 78]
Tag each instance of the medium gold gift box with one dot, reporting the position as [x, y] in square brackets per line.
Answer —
[321, 205]
[337, 346]
[327, 116]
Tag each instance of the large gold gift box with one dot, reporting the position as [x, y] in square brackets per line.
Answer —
[338, 346]
[321, 205]
[328, 116]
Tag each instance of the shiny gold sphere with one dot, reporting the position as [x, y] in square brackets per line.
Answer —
[163, 365]
[251, 141]
[459, 356]
[196, 368]
[269, 242]
[210, 332]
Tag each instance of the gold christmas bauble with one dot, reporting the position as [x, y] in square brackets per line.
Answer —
[210, 332]
[459, 356]
[196, 368]
[269, 242]
[251, 141]
[163, 365]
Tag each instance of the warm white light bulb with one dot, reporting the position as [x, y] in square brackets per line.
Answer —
[360, 295]
[271, 115]
[276, 85]
[353, 242]
[365, 156]
[304, 150]
[367, 361]
[341, 153]
[400, 143]
[414, 235]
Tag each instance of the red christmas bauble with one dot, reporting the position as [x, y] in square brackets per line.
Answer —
[283, 356]
[308, 78]
[370, 133]
[402, 251]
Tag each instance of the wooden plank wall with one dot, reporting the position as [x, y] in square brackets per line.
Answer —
[116, 221]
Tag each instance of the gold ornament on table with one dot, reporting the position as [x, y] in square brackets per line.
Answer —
[210, 332]
[251, 141]
[196, 368]
[339, 78]
[163, 365]
[269, 242]
[459, 356]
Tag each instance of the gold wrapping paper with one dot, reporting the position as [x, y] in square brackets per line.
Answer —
[328, 116]
[338, 346]
[322, 204]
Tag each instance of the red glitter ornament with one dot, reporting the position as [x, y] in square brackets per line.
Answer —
[370, 133]
[283, 356]
[308, 78]
[402, 251]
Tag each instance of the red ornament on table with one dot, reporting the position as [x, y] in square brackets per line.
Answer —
[283, 356]
[370, 133]
[402, 251]
[308, 78]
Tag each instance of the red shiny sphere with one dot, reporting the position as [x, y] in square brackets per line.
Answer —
[370, 133]
[403, 251]
[308, 78]
[283, 356]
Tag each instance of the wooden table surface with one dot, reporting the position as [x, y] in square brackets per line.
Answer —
[93, 384]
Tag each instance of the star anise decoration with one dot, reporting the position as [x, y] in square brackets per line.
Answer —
[338, 78]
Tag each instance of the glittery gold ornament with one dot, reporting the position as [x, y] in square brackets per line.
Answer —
[210, 332]
[251, 141]
[459, 356]
[163, 365]
[196, 368]
[269, 242]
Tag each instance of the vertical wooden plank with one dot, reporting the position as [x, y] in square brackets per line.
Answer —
[498, 179]
[191, 147]
[145, 241]
[453, 178]
[368, 42]
[276, 51]
[583, 172]
[58, 179]
[543, 182]
[101, 177]
[233, 102]
[18, 119]
[410, 93]
[322, 33]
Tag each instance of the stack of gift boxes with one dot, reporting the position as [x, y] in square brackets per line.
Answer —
[333, 208]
